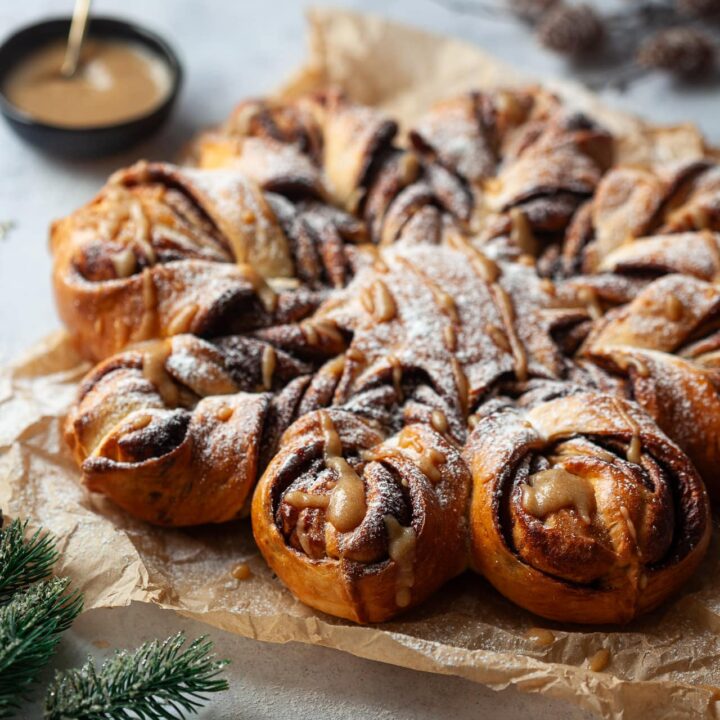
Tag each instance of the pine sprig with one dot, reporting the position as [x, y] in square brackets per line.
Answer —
[30, 627]
[157, 681]
[23, 560]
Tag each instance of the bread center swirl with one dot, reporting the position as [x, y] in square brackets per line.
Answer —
[554, 489]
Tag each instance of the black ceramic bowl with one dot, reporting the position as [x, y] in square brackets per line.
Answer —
[91, 141]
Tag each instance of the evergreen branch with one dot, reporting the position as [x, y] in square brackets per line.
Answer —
[23, 560]
[157, 681]
[30, 628]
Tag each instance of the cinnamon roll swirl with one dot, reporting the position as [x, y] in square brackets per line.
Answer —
[582, 509]
[681, 395]
[359, 525]
[171, 430]
[164, 250]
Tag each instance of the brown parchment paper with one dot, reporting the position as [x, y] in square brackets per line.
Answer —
[665, 665]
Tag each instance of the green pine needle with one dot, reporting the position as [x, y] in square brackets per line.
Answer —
[23, 560]
[30, 627]
[157, 681]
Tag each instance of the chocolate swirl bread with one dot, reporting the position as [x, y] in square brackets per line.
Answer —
[475, 344]
[582, 509]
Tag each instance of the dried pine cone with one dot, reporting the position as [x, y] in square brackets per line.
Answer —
[532, 11]
[682, 51]
[571, 30]
[698, 8]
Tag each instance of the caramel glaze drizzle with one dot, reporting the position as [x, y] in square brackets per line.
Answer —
[486, 268]
[629, 523]
[378, 264]
[124, 262]
[183, 319]
[556, 488]
[309, 332]
[269, 361]
[149, 295]
[121, 206]
[267, 295]
[375, 301]
[624, 362]
[315, 330]
[335, 367]
[462, 385]
[346, 507]
[540, 637]
[428, 459]
[490, 271]
[378, 301]
[224, 413]
[674, 308]
[447, 307]
[401, 548]
[589, 298]
[241, 571]
[302, 500]
[599, 661]
[356, 355]
[634, 450]
[396, 375]
[498, 336]
[521, 233]
[443, 300]
[507, 312]
[439, 422]
[572, 450]
[137, 422]
[153, 368]
[302, 536]
[450, 337]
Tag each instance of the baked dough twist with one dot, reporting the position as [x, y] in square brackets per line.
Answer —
[478, 343]
[582, 510]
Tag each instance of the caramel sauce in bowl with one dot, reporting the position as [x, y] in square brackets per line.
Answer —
[125, 87]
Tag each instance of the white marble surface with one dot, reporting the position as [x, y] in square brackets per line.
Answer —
[230, 50]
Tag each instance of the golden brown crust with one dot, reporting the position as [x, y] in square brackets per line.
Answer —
[680, 395]
[171, 430]
[164, 250]
[634, 203]
[582, 510]
[668, 314]
[150, 257]
[405, 541]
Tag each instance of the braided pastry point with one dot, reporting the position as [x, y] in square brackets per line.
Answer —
[360, 526]
[632, 204]
[582, 509]
[164, 250]
[171, 429]
[668, 315]
[681, 391]
[681, 395]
